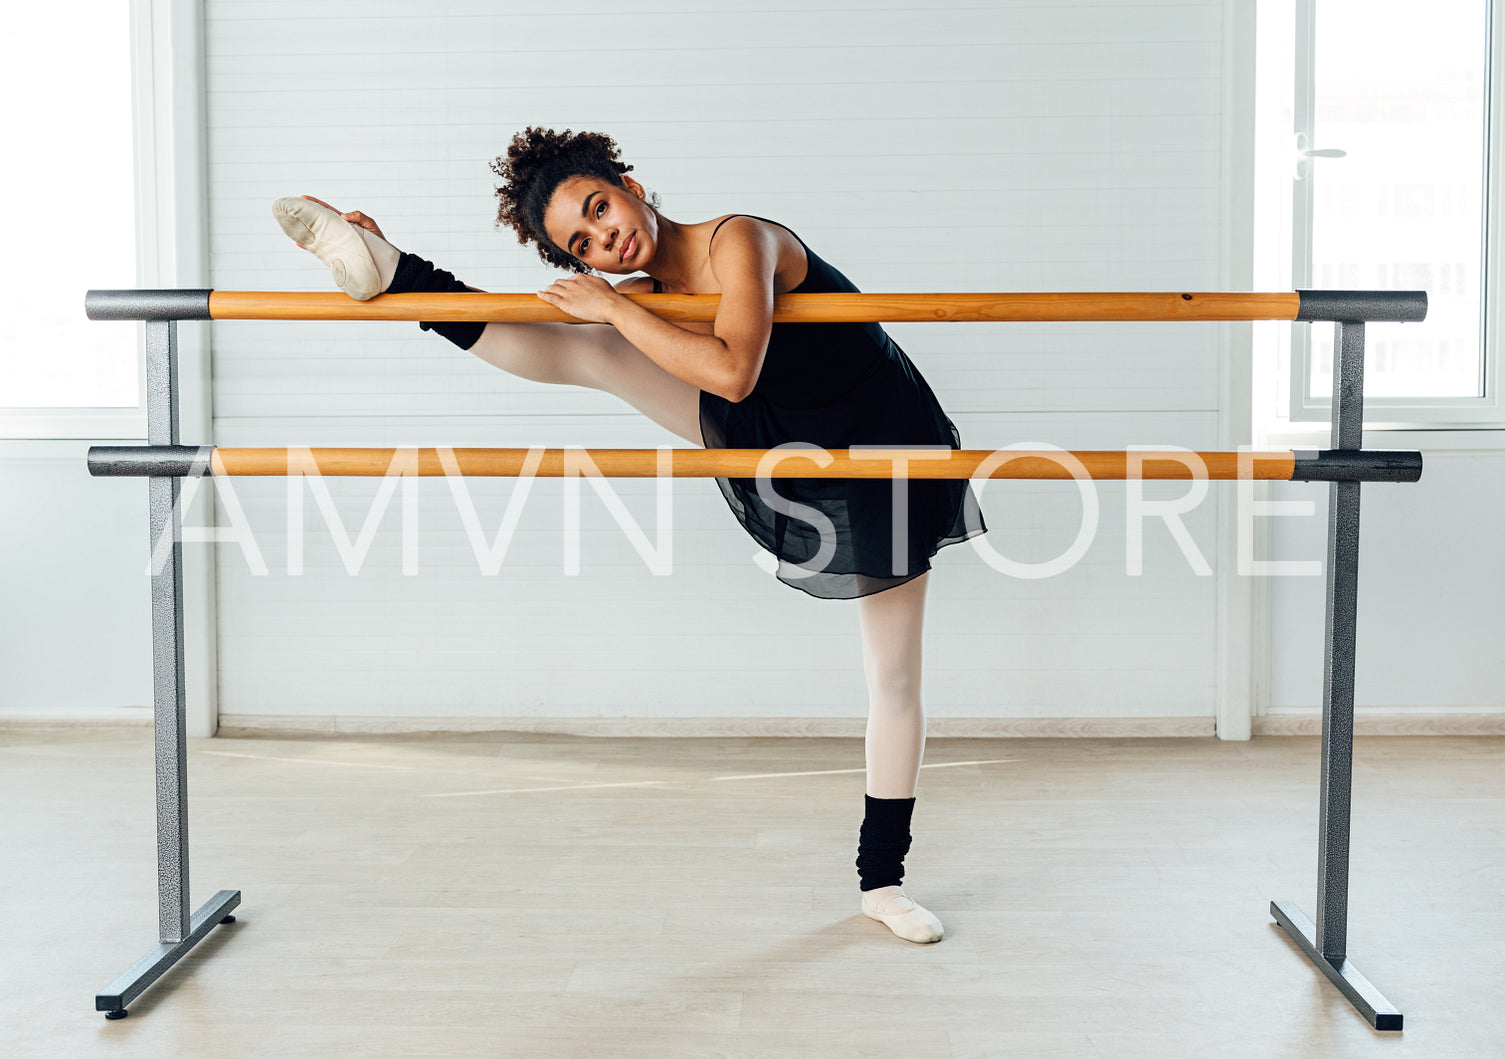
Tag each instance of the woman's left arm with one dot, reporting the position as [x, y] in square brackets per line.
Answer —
[726, 362]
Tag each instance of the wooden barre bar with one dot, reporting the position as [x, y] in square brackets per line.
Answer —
[743, 463]
[1302, 465]
[788, 308]
[1350, 306]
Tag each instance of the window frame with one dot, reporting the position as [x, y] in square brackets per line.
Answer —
[1399, 413]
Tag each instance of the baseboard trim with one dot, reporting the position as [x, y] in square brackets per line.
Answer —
[250, 725]
[1389, 724]
[232, 725]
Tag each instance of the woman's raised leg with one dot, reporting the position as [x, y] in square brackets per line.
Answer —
[594, 355]
[364, 264]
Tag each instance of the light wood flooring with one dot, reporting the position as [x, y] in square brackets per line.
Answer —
[545, 895]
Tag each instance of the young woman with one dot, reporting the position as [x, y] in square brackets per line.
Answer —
[742, 382]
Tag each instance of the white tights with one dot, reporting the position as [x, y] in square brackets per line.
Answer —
[892, 623]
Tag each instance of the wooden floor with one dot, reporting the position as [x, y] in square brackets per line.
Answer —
[537, 895]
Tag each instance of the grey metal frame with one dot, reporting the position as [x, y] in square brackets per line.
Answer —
[1325, 944]
[176, 933]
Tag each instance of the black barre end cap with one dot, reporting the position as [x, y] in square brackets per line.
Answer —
[1357, 465]
[149, 461]
[1359, 306]
[164, 304]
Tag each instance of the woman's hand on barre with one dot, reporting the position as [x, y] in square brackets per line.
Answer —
[587, 298]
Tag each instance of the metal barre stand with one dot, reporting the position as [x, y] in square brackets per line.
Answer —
[1325, 944]
[177, 933]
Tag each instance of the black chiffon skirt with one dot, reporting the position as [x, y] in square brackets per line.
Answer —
[835, 538]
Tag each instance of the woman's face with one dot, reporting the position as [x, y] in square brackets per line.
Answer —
[611, 229]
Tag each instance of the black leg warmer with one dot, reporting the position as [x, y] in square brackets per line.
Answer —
[884, 841]
[414, 274]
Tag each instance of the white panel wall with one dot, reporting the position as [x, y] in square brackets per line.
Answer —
[1045, 146]
[1431, 614]
[75, 613]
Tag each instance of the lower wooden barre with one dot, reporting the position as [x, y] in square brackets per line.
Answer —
[745, 463]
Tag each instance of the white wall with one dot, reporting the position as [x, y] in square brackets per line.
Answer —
[75, 620]
[1012, 147]
[1018, 147]
[1431, 621]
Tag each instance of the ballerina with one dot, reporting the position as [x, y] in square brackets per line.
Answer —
[740, 382]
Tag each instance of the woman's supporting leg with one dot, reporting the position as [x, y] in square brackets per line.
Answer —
[892, 623]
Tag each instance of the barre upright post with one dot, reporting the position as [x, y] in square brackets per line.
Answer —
[1326, 942]
[177, 932]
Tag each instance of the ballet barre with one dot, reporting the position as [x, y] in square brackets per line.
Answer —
[1299, 465]
[1148, 306]
[1345, 466]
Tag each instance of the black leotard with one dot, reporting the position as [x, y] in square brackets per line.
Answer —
[838, 385]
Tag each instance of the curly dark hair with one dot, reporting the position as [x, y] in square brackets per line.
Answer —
[538, 160]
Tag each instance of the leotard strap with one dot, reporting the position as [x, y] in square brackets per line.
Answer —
[809, 254]
[658, 287]
[755, 217]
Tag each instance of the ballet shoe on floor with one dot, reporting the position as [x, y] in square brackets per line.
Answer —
[896, 910]
[334, 241]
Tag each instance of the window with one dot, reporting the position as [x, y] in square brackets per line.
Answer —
[69, 189]
[1392, 109]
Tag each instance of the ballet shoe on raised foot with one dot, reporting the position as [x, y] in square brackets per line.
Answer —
[334, 241]
[896, 910]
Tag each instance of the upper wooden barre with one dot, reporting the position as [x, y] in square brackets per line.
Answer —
[787, 308]
[1348, 306]
[742, 463]
[1302, 465]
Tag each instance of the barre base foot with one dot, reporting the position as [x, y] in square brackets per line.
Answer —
[114, 998]
[1360, 991]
